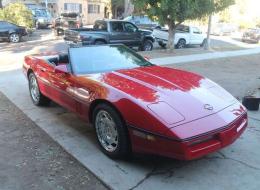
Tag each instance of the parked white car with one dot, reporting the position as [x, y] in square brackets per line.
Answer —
[185, 35]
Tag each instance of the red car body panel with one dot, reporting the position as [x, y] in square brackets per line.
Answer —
[168, 112]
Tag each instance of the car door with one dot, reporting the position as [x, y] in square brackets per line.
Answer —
[117, 33]
[4, 30]
[132, 34]
[196, 36]
[43, 68]
[62, 88]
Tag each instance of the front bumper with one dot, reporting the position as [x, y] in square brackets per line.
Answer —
[194, 148]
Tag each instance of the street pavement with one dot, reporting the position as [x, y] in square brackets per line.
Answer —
[236, 167]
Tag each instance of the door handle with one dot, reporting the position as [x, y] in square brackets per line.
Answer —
[42, 69]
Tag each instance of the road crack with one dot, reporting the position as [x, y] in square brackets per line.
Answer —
[154, 172]
[224, 157]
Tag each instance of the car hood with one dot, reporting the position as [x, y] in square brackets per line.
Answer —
[174, 96]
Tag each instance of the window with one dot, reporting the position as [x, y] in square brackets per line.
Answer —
[5, 24]
[196, 30]
[92, 8]
[130, 28]
[100, 25]
[117, 26]
[73, 7]
[183, 29]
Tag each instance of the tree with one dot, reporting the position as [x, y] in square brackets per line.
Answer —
[1, 4]
[17, 13]
[175, 12]
[116, 4]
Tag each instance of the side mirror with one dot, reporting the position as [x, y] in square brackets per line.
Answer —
[61, 69]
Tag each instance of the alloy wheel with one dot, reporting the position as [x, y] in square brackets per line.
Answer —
[34, 89]
[106, 131]
[14, 38]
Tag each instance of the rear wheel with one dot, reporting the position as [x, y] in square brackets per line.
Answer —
[181, 44]
[203, 43]
[14, 38]
[147, 45]
[163, 45]
[111, 132]
[37, 97]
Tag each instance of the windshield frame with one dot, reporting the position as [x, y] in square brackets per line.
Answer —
[131, 51]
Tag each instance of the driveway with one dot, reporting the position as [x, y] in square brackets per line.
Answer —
[236, 167]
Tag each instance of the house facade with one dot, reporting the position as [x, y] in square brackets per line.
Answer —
[90, 10]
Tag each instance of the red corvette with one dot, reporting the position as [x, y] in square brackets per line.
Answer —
[136, 106]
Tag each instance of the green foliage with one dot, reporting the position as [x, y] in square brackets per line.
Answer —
[175, 12]
[178, 11]
[17, 13]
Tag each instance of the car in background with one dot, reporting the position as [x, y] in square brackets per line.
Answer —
[11, 32]
[134, 105]
[109, 31]
[251, 35]
[184, 36]
[143, 22]
[42, 18]
[223, 29]
[66, 21]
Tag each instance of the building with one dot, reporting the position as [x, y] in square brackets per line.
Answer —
[90, 10]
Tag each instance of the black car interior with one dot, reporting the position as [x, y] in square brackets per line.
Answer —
[60, 59]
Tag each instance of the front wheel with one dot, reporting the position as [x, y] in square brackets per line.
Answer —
[14, 38]
[147, 45]
[111, 132]
[37, 97]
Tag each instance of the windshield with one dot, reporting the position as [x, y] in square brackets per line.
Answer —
[40, 13]
[98, 59]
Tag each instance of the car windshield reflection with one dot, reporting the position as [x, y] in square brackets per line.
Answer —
[99, 59]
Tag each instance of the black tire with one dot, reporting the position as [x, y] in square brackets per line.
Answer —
[147, 45]
[122, 150]
[203, 43]
[163, 45]
[181, 44]
[42, 100]
[14, 38]
[99, 42]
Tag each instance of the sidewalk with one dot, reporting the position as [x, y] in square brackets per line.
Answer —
[203, 56]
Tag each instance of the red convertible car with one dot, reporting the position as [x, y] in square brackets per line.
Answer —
[136, 106]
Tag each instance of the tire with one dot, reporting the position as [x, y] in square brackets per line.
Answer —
[163, 45]
[203, 43]
[181, 44]
[115, 142]
[147, 45]
[99, 42]
[37, 97]
[14, 38]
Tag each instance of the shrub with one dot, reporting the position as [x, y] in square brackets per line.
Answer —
[17, 13]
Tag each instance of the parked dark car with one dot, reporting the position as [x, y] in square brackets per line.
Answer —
[143, 22]
[66, 21]
[42, 18]
[11, 32]
[251, 35]
[112, 32]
